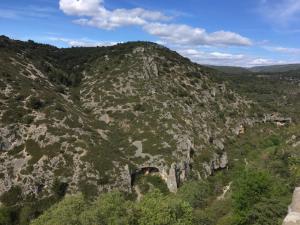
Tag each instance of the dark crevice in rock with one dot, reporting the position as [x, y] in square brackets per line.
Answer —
[143, 171]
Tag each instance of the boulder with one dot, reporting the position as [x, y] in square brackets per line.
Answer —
[293, 217]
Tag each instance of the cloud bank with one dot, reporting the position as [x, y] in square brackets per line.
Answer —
[283, 12]
[226, 59]
[93, 13]
[84, 42]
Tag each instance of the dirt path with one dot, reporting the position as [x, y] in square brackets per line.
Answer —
[138, 192]
[225, 190]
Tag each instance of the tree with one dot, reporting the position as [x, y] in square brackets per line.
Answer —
[12, 196]
[66, 212]
[250, 188]
[257, 199]
[266, 212]
[109, 209]
[195, 193]
[157, 209]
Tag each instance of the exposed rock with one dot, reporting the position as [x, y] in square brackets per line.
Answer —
[218, 162]
[172, 178]
[225, 191]
[239, 130]
[293, 217]
[277, 119]
[126, 179]
[219, 144]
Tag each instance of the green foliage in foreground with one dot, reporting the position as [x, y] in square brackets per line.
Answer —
[113, 209]
[257, 199]
[5, 218]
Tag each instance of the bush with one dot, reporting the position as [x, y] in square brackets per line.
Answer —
[202, 218]
[113, 209]
[5, 217]
[35, 103]
[12, 197]
[66, 212]
[250, 188]
[109, 208]
[266, 212]
[196, 193]
[59, 188]
[157, 209]
[139, 107]
[258, 199]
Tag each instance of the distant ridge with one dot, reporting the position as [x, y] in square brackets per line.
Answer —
[276, 68]
[230, 69]
[257, 69]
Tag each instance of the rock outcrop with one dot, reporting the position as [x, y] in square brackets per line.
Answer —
[173, 176]
[219, 161]
[293, 217]
[277, 119]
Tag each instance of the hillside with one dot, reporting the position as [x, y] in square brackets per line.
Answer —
[93, 117]
[276, 68]
[231, 69]
[142, 123]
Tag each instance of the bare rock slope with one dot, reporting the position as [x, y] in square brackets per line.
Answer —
[293, 217]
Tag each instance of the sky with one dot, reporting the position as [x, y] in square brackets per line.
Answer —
[219, 32]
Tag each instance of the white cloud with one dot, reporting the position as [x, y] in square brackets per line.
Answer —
[292, 51]
[93, 13]
[281, 11]
[263, 62]
[103, 18]
[80, 7]
[26, 12]
[184, 34]
[8, 14]
[82, 42]
[225, 59]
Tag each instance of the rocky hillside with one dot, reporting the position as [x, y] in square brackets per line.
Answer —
[94, 118]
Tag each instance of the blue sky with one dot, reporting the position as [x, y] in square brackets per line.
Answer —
[222, 32]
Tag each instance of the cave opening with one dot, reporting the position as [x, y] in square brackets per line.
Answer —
[143, 172]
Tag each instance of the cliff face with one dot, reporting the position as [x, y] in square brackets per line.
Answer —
[92, 117]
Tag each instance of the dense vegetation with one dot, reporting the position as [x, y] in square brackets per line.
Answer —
[273, 92]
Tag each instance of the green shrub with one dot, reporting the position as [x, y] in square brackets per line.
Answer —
[59, 188]
[12, 196]
[157, 209]
[66, 212]
[35, 103]
[266, 212]
[200, 217]
[250, 188]
[196, 193]
[258, 198]
[5, 217]
[110, 208]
